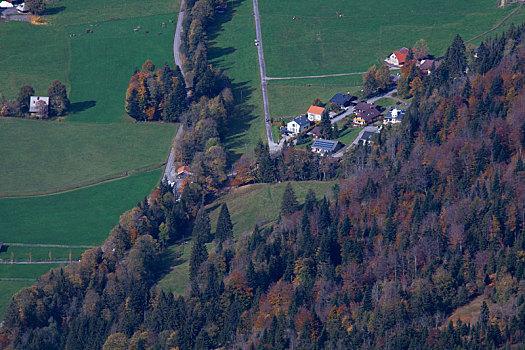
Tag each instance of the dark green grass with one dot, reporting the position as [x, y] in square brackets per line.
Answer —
[348, 135]
[42, 156]
[386, 102]
[232, 48]
[81, 217]
[103, 62]
[321, 42]
[40, 253]
[33, 271]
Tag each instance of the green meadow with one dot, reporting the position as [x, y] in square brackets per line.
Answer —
[343, 36]
[232, 48]
[79, 217]
[39, 156]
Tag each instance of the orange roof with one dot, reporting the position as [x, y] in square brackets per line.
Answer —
[183, 169]
[401, 55]
[316, 110]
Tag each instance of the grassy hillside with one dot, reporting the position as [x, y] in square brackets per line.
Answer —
[259, 203]
[80, 217]
[349, 36]
[231, 48]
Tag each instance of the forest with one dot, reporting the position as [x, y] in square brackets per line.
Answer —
[425, 220]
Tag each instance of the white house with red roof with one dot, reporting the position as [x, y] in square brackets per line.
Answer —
[398, 58]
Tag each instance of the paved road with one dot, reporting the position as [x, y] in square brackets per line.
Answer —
[388, 94]
[274, 147]
[356, 141]
[177, 38]
[170, 173]
[315, 76]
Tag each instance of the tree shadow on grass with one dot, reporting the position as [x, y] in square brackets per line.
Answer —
[242, 120]
[54, 10]
[78, 107]
[168, 259]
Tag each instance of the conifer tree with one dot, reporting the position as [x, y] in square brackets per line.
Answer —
[310, 201]
[199, 254]
[224, 226]
[202, 226]
[289, 203]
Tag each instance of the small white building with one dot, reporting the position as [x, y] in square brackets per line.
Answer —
[394, 116]
[298, 125]
[316, 113]
[38, 105]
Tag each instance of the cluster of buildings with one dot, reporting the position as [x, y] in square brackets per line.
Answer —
[399, 58]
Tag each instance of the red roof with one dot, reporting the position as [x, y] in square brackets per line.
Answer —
[316, 110]
[183, 169]
[401, 55]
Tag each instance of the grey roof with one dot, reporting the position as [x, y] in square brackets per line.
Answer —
[302, 120]
[367, 135]
[325, 145]
[342, 98]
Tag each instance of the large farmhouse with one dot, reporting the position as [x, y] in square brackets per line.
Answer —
[398, 58]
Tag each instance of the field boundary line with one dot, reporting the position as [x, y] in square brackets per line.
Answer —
[37, 245]
[38, 262]
[496, 26]
[315, 76]
[18, 279]
[88, 184]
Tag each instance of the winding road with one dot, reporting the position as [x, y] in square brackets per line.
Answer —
[170, 172]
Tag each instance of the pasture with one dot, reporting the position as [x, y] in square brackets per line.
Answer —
[342, 36]
[41, 156]
[80, 217]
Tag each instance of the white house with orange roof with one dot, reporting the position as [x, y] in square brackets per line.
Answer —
[315, 113]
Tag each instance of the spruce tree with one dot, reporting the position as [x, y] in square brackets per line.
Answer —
[289, 203]
[198, 256]
[310, 201]
[325, 127]
[264, 163]
[224, 226]
[202, 226]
